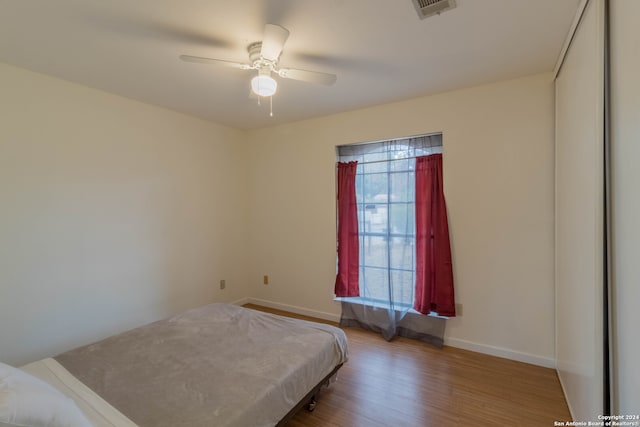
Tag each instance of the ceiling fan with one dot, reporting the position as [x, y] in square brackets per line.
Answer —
[264, 57]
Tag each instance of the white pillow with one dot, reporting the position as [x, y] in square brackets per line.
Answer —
[28, 401]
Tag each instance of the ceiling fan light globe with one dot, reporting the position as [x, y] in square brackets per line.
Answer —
[264, 85]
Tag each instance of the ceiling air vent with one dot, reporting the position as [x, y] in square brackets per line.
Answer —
[426, 8]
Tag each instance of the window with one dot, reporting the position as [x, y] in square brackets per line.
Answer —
[385, 196]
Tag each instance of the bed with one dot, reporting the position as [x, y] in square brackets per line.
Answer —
[217, 365]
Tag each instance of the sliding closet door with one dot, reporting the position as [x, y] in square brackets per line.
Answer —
[579, 217]
[625, 132]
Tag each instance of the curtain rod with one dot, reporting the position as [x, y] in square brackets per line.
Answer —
[398, 139]
[390, 160]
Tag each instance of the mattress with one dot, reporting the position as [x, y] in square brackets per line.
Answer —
[217, 365]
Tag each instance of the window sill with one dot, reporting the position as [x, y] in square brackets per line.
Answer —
[380, 304]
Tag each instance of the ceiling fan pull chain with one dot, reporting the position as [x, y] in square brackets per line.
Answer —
[271, 106]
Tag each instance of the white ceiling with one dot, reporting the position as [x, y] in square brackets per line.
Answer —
[380, 50]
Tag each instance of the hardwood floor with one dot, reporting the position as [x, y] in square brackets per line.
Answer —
[409, 383]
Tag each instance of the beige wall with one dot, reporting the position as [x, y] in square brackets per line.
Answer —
[113, 213]
[116, 213]
[625, 102]
[498, 173]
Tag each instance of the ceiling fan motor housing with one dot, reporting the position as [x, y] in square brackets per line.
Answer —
[257, 60]
[254, 51]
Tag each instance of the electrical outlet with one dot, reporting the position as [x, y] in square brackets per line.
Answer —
[265, 279]
[223, 284]
[458, 310]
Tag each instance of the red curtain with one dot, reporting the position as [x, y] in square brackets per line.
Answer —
[348, 242]
[434, 272]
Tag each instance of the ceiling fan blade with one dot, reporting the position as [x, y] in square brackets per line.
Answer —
[308, 76]
[273, 41]
[189, 58]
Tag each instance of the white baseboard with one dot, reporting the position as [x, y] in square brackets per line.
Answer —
[564, 391]
[505, 353]
[294, 309]
[546, 362]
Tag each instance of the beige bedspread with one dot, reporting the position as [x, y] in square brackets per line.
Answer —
[218, 365]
